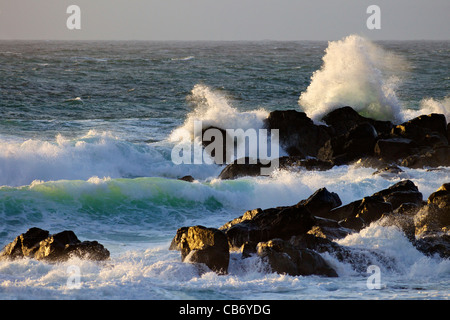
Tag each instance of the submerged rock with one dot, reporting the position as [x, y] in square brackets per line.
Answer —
[39, 244]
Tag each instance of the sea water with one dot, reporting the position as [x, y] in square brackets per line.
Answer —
[86, 133]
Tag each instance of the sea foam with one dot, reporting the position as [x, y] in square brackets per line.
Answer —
[356, 73]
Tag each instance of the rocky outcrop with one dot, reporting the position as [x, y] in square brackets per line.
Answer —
[199, 244]
[285, 258]
[348, 137]
[39, 244]
[291, 239]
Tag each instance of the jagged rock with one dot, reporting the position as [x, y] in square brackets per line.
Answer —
[39, 244]
[199, 244]
[187, 178]
[434, 217]
[241, 168]
[298, 135]
[356, 143]
[248, 167]
[345, 118]
[284, 258]
[426, 130]
[281, 222]
[438, 156]
[321, 202]
[394, 148]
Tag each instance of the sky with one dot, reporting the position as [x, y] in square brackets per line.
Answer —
[224, 19]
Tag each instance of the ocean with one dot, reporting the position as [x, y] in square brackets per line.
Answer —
[86, 135]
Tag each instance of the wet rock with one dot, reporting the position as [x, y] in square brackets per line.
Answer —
[298, 135]
[438, 156]
[435, 244]
[321, 202]
[39, 244]
[344, 119]
[284, 258]
[187, 178]
[356, 143]
[281, 222]
[242, 168]
[199, 244]
[394, 148]
[424, 130]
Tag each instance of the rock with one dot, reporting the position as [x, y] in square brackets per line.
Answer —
[282, 222]
[438, 156]
[352, 223]
[437, 244]
[187, 178]
[249, 167]
[321, 202]
[38, 244]
[298, 135]
[391, 172]
[356, 143]
[284, 258]
[372, 208]
[329, 229]
[199, 244]
[218, 157]
[421, 128]
[345, 118]
[394, 148]
[402, 192]
[434, 217]
[236, 169]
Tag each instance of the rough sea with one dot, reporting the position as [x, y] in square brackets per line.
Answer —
[87, 130]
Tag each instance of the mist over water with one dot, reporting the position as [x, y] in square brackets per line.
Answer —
[87, 130]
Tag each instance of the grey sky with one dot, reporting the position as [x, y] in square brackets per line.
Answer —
[224, 19]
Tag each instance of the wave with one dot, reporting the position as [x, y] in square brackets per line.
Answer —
[357, 73]
[213, 108]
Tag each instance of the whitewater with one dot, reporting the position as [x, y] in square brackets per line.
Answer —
[86, 133]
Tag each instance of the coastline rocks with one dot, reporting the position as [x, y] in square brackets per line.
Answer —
[292, 239]
[199, 244]
[298, 134]
[284, 258]
[348, 137]
[262, 225]
[40, 245]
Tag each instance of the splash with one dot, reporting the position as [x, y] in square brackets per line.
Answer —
[214, 109]
[356, 73]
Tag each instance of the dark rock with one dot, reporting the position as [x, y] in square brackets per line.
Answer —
[437, 244]
[38, 244]
[421, 128]
[356, 143]
[372, 208]
[346, 211]
[353, 223]
[329, 229]
[394, 148]
[321, 202]
[241, 168]
[284, 258]
[250, 167]
[282, 222]
[298, 135]
[199, 244]
[434, 217]
[217, 149]
[346, 118]
[187, 178]
[438, 156]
